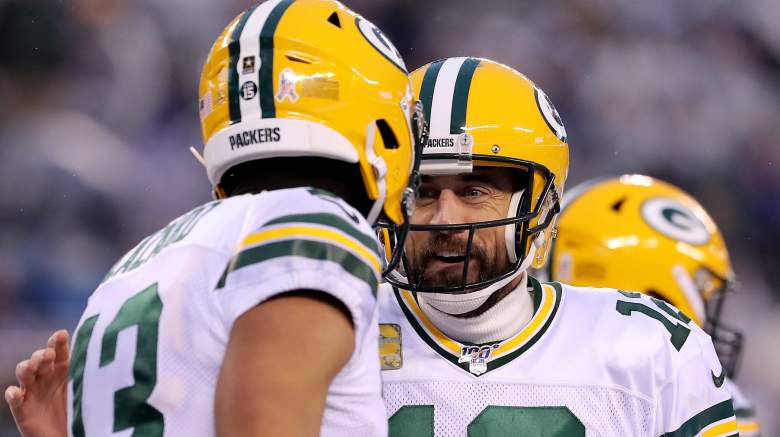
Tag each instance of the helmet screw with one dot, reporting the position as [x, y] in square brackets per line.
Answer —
[495, 148]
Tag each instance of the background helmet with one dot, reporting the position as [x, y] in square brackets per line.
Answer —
[484, 114]
[311, 78]
[638, 233]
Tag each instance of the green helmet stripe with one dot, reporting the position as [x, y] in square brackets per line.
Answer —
[428, 85]
[234, 48]
[460, 96]
[266, 72]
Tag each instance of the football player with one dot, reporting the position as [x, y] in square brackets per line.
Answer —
[309, 126]
[638, 233]
[473, 346]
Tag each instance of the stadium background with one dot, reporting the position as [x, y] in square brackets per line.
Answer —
[98, 108]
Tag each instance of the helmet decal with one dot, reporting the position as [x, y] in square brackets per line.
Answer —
[550, 114]
[287, 79]
[376, 38]
[673, 219]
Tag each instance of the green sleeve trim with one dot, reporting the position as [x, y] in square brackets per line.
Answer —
[695, 424]
[333, 221]
[315, 250]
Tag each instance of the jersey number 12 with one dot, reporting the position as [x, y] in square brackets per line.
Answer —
[493, 421]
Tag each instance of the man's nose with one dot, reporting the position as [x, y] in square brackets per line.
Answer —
[448, 211]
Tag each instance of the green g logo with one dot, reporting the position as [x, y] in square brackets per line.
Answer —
[674, 220]
[376, 38]
[550, 114]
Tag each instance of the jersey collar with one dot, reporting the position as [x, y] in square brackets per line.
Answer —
[478, 359]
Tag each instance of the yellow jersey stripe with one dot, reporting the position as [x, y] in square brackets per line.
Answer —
[752, 426]
[304, 232]
[533, 326]
[726, 428]
[439, 336]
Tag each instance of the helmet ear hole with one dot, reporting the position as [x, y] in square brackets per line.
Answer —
[334, 19]
[293, 58]
[388, 137]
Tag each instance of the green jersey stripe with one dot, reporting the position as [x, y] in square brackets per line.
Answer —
[266, 73]
[315, 250]
[234, 48]
[537, 286]
[428, 85]
[460, 96]
[695, 424]
[333, 221]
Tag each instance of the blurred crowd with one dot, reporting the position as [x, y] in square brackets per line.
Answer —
[98, 110]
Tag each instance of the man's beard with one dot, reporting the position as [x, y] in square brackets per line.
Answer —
[486, 268]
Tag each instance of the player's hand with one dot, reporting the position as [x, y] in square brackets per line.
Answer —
[38, 404]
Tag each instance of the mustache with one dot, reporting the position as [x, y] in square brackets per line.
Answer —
[446, 243]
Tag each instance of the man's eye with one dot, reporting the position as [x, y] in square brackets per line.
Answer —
[473, 193]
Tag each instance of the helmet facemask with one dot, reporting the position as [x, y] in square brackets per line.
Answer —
[711, 290]
[726, 339]
[524, 225]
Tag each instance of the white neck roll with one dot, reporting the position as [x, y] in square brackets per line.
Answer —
[501, 321]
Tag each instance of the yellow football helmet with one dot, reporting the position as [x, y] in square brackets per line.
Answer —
[311, 78]
[638, 233]
[484, 114]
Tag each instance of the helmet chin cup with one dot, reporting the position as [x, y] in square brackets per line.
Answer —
[510, 232]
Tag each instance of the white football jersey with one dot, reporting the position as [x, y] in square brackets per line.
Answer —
[148, 349]
[591, 362]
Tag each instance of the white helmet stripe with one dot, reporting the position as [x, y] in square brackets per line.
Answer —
[248, 65]
[443, 91]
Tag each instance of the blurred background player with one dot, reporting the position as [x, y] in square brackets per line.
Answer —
[309, 128]
[470, 343]
[638, 233]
